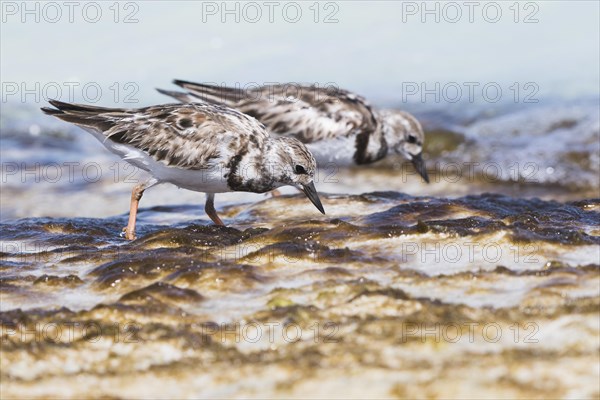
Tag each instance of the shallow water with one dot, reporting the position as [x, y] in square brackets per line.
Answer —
[491, 272]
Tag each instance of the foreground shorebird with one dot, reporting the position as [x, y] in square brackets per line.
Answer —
[201, 147]
[337, 126]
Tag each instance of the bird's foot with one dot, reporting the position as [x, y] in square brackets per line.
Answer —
[128, 234]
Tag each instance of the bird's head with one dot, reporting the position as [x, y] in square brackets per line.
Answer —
[296, 166]
[405, 136]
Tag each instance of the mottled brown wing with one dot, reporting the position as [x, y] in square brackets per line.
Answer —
[179, 135]
[308, 113]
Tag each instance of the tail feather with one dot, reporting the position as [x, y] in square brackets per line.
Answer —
[181, 96]
[51, 111]
[73, 107]
[82, 115]
[214, 94]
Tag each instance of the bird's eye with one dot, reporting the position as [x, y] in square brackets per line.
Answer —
[412, 139]
[300, 169]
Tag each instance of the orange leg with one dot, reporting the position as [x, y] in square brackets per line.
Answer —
[209, 208]
[136, 195]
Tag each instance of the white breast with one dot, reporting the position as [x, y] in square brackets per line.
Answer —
[210, 180]
[338, 151]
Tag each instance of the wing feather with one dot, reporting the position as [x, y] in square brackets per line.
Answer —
[308, 113]
[179, 135]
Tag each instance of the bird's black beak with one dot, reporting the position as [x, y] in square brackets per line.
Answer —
[310, 192]
[419, 165]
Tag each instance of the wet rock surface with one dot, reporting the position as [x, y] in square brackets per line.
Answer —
[284, 302]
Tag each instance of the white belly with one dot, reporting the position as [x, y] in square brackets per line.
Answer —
[334, 152]
[209, 180]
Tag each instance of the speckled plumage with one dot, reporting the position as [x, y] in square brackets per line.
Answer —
[335, 124]
[202, 147]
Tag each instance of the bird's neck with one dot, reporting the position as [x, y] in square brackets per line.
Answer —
[273, 162]
[258, 171]
[370, 146]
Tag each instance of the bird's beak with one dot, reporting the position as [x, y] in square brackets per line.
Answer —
[419, 165]
[310, 192]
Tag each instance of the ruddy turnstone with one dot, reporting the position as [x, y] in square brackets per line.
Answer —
[337, 126]
[202, 147]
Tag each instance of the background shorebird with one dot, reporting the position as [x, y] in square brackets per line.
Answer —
[337, 126]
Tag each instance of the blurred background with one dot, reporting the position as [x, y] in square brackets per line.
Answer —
[513, 86]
